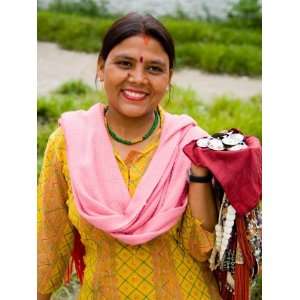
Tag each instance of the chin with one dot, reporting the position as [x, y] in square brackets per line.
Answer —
[133, 111]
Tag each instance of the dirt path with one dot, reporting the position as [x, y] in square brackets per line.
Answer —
[56, 66]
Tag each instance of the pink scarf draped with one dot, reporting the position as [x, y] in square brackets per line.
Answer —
[100, 193]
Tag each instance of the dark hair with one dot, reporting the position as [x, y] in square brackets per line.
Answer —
[133, 24]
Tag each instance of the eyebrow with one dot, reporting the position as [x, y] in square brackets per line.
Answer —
[155, 61]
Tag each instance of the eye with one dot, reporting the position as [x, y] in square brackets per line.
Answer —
[155, 69]
[124, 64]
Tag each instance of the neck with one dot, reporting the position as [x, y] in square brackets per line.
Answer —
[129, 127]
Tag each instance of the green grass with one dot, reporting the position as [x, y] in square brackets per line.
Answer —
[185, 31]
[213, 47]
[222, 113]
[220, 58]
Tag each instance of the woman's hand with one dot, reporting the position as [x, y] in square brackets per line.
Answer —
[201, 200]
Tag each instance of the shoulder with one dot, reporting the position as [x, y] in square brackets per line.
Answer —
[182, 121]
[56, 143]
[57, 138]
[82, 116]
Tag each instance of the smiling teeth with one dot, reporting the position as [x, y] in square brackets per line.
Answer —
[134, 94]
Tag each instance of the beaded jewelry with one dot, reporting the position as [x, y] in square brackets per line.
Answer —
[127, 142]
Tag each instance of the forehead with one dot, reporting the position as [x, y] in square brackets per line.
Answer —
[138, 45]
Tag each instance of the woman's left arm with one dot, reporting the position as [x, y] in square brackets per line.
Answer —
[201, 200]
[196, 232]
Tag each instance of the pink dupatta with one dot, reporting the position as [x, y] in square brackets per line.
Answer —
[99, 190]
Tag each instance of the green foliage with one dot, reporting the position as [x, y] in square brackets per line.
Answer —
[67, 291]
[256, 290]
[76, 87]
[246, 13]
[220, 58]
[71, 31]
[51, 107]
[185, 31]
[90, 8]
[211, 47]
[222, 113]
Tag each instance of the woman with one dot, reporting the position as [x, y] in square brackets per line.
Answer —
[116, 177]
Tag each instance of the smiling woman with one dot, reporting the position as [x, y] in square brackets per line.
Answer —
[113, 196]
[136, 76]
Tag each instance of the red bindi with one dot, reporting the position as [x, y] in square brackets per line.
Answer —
[141, 59]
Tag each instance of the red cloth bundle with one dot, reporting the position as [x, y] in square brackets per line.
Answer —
[238, 172]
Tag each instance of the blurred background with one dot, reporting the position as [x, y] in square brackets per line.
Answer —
[217, 77]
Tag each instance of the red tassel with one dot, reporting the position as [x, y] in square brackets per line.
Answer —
[242, 271]
[242, 283]
[69, 271]
[77, 254]
[77, 259]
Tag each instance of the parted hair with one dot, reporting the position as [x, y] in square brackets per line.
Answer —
[134, 24]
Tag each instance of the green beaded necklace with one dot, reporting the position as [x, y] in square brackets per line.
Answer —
[127, 142]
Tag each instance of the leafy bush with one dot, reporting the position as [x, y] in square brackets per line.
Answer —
[256, 290]
[83, 7]
[222, 113]
[51, 107]
[185, 31]
[76, 87]
[67, 291]
[71, 31]
[220, 58]
[211, 47]
[246, 13]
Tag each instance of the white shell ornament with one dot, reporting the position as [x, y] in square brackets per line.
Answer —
[203, 142]
[215, 144]
[230, 216]
[230, 210]
[233, 139]
[238, 147]
[228, 223]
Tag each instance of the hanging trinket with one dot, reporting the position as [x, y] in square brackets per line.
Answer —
[238, 147]
[215, 144]
[223, 141]
[230, 217]
[233, 139]
[203, 142]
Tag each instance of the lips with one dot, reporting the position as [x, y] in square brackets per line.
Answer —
[134, 94]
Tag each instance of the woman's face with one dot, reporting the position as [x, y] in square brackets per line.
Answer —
[136, 75]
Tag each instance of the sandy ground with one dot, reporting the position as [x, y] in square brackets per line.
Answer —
[56, 66]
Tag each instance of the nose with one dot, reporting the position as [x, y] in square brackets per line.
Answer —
[137, 75]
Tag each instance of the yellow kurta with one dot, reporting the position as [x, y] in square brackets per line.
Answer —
[171, 266]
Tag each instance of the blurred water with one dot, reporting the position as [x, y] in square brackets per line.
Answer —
[193, 8]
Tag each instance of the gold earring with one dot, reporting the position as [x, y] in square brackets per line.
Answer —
[99, 84]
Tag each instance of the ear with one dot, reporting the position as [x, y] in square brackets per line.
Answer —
[100, 68]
